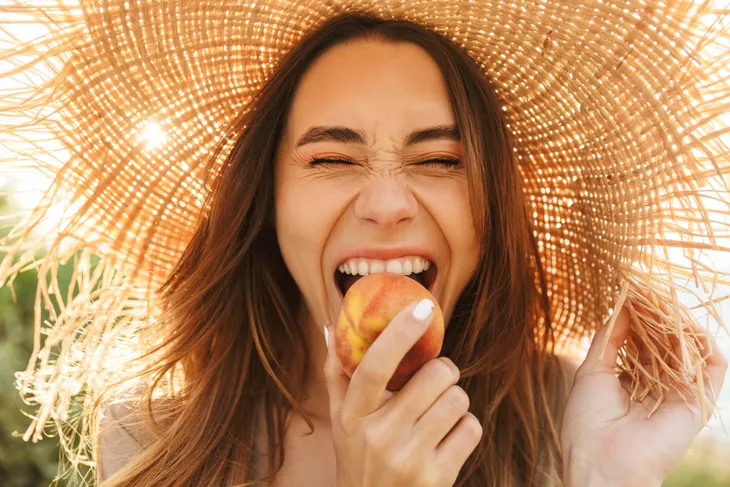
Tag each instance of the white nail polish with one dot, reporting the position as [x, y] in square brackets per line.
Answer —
[423, 310]
[326, 336]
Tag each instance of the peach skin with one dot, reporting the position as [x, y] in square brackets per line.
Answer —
[368, 306]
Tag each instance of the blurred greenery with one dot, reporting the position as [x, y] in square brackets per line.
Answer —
[707, 464]
[25, 464]
[22, 464]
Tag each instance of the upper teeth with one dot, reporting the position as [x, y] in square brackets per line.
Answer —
[403, 265]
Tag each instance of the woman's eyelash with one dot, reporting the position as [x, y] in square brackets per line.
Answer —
[446, 161]
[318, 161]
[443, 161]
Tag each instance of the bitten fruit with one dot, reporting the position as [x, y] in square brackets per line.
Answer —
[369, 305]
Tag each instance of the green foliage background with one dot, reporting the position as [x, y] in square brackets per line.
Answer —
[35, 464]
[21, 464]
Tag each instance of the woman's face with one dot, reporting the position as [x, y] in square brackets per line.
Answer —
[382, 210]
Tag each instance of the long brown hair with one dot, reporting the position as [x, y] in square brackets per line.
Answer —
[229, 307]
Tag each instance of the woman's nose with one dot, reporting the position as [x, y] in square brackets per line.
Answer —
[386, 202]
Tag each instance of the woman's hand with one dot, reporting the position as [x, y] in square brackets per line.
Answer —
[419, 436]
[606, 438]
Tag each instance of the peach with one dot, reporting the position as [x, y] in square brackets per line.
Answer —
[368, 306]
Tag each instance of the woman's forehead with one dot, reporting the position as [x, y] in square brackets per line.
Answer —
[363, 75]
[367, 93]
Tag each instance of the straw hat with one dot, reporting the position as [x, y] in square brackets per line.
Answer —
[614, 107]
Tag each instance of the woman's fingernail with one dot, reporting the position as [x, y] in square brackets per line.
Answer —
[423, 310]
[326, 336]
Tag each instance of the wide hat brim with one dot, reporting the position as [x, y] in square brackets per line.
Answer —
[615, 111]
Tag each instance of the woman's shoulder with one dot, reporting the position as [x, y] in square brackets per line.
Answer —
[121, 437]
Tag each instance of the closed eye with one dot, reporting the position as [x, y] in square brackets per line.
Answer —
[443, 161]
[318, 161]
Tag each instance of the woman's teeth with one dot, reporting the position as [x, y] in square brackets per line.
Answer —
[404, 265]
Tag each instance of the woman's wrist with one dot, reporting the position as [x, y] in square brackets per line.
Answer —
[586, 478]
[576, 474]
[591, 478]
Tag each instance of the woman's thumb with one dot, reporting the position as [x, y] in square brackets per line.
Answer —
[607, 341]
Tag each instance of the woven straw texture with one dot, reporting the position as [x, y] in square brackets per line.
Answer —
[615, 108]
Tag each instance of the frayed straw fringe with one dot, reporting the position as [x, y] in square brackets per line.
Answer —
[624, 154]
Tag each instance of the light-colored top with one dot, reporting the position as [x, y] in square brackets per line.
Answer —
[120, 439]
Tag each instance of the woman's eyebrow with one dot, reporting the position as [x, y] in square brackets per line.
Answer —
[338, 133]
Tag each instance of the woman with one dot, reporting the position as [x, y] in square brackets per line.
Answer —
[379, 145]
[333, 195]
